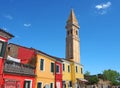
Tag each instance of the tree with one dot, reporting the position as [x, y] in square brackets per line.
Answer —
[93, 80]
[87, 73]
[112, 75]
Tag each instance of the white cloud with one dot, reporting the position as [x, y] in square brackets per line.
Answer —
[103, 6]
[27, 25]
[8, 17]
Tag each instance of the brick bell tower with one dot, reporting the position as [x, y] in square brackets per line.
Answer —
[72, 39]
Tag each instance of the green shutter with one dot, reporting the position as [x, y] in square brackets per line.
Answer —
[3, 49]
[52, 67]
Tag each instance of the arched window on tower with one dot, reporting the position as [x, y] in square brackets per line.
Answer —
[76, 32]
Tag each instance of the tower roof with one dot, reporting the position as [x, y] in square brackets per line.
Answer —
[72, 18]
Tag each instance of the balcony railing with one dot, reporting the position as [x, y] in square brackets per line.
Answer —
[18, 68]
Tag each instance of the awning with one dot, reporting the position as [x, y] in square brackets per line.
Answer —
[82, 80]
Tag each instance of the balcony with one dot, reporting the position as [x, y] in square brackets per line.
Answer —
[18, 68]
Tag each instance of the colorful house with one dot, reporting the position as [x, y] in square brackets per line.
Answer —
[45, 64]
[66, 74]
[4, 37]
[58, 73]
[13, 73]
[45, 70]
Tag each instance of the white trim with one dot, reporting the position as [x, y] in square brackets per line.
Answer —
[2, 40]
[43, 65]
[41, 83]
[30, 82]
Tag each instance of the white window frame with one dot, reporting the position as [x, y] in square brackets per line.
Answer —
[30, 81]
[43, 65]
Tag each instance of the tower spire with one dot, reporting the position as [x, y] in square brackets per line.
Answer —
[72, 19]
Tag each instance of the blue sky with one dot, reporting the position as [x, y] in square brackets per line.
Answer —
[41, 24]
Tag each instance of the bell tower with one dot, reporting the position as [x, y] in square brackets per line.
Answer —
[72, 39]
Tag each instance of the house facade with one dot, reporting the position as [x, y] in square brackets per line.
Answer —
[66, 74]
[13, 73]
[58, 73]
[45, 71]
[4, 37]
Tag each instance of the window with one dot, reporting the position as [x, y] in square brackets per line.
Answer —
[63, 84]
[51, 85]
[42, 64]
[52, 67]
[57, 69]
[70, 84]
[27, 84]
[68, 68]
[81, 71]
[39, 85]
[2, 48]
[63, 67]
[76, 32]
[76, 69]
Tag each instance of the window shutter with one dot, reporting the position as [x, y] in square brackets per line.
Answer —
[4, 49]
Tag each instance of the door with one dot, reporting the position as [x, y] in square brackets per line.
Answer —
[58, 84]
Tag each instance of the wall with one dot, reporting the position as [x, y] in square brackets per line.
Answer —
[20, 79]
[46, 77]
[58, 76]
[25, 54]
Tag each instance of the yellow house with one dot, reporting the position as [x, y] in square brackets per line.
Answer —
[66, 74]
[45, 76]
[77, 74]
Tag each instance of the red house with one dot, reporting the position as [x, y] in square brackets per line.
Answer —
[4, 37]
[13, 73]
[58, 73]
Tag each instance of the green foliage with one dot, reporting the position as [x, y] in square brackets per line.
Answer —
[112, 76]
[87, 73]
[93, 80]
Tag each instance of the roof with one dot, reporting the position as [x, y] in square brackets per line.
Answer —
[8, 35]
[54, 57]
[21, 46]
